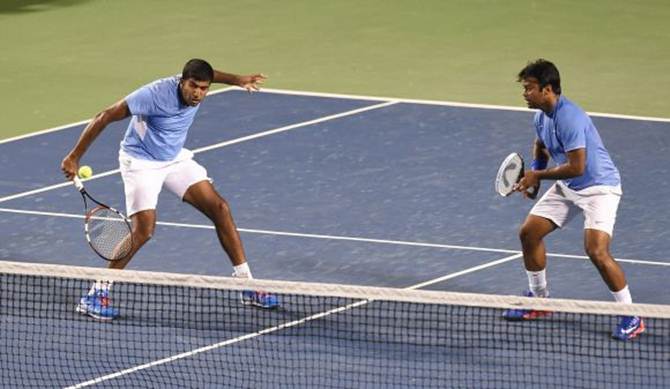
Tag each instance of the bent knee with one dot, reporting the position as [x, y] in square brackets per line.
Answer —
[598, 254]
[535, 228]
[527, 233]
[221, 208]
[142, 235]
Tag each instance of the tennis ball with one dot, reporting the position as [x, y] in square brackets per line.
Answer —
[85, 171]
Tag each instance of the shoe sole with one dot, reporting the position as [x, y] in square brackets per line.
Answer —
[258, 305]
[84, 311]
[533, 316]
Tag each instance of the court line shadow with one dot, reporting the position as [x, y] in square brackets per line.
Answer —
[27, 6]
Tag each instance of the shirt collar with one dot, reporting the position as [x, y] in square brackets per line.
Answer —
[558, 105]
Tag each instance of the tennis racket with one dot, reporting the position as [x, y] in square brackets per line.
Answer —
[509, 174]
[107, 230]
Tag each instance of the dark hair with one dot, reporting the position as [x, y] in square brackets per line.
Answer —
[198, 69]
[545, 72]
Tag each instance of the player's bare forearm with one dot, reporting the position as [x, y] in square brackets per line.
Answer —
[116, 112]
[250, 82]
[225, 78]
[573, 168]
[90, 133]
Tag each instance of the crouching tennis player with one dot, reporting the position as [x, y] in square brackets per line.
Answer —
[586, 181]
[152, 156]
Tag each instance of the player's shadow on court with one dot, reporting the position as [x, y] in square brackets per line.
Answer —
[26, 6]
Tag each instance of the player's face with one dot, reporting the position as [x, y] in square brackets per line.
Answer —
[534, 95]
[194, 91]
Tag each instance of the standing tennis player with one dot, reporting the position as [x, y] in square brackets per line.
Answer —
[586, 181]
[152, 156]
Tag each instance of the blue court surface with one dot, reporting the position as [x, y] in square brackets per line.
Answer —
[339, 189]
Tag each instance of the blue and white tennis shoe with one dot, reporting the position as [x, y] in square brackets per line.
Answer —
[98, 306]
[524, 314]
[259, 299]
[628, 328]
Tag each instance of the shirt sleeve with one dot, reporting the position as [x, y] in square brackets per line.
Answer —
[572, 135]
[141, 101]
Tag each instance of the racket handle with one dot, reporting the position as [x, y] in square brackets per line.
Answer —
[78, 184]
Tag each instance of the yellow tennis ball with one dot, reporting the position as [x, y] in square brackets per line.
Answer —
[85, 171]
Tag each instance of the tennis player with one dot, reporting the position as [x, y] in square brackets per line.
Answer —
[587, 181]
[152, 156]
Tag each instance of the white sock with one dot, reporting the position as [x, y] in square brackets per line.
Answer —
[242, 271]
[537, 281]
[623, 296]
[100, 285]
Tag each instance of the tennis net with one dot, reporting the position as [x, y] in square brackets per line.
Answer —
[192, 331]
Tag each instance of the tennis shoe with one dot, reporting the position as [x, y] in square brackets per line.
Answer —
[524, 314]
[97, 306]
[628, 328]
[259, 299]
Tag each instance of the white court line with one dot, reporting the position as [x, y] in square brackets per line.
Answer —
[364, 97]
[280, 327]
[345, 238]
[467, 271]
[66, 126]
[294, 126]
[42, 132]
[56, 186]
[222, 144]
[451, 104]
[306, 93]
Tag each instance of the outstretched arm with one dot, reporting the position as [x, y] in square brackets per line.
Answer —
[250, 82]
[116, 112]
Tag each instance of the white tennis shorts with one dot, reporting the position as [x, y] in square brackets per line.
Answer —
[599, 204]
[144, 179]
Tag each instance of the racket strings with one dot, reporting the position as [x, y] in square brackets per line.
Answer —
[509, 174]
[109, 234]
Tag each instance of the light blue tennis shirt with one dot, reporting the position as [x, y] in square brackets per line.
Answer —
[569, 128]
[160, 121]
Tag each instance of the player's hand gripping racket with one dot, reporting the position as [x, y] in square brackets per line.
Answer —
[107, 230]
[509, 174]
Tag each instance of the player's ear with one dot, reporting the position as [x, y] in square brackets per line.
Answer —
[547, 90]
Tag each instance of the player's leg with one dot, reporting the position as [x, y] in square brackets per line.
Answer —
[531, 235]
[553, 210]
[207, 200]
[600, 206]
[97, 302]
[550, 212]
[143, 226]
[597, 247]
[142, 187]
[189, 181]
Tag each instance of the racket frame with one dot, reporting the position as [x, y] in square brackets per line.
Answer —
[531, 192]
[89, 213]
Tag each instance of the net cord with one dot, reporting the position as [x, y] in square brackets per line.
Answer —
[339, 290]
